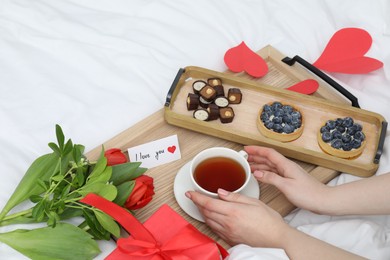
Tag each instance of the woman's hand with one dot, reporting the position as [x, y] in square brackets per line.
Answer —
[303, 190]
[240, 219]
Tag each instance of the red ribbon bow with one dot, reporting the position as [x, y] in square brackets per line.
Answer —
[187, 243]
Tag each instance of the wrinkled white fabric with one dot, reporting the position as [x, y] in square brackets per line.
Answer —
[98, 67]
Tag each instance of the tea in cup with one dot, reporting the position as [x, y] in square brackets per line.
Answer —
[220, 167]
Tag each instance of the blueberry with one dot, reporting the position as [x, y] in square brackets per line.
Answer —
[340, 128]
[287, 118]
[324, 129]
[356, 143]
[288, 109]
[278, 112]
[264, 117]
[346, 138]
[336, 134]
[358, 127]
[359, 136]
[352, 129]
[336, 143]
[288, 129]
[277, 120]
[267, 108]
[339, 121]
[331, 124]
[347, 146]
[278, 128]
[276, 105]
[297, 123]
[296, 114]
[347, 122]
[269, 125]
[326, 136]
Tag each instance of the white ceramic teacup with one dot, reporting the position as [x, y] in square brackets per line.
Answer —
[218, 152]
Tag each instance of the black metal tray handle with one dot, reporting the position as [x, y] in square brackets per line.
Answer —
[381, 142]
[290, 61]
[173, 86]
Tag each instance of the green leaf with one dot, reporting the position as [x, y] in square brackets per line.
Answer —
[65, 241]
[78, 151]
[126, 172]
[124, 191]
[80, 178]
[40, 171]
[68, 147]
[57, 178]
[70, 213]
[96, 229]
[55, 148]
[103, 177]
[107, 191]
[53, 219]
[35, 198]
[38, 212]
[60, 137]
[107, 223]
[100, 166]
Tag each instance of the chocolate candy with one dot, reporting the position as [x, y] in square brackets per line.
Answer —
[198, 85]
[201, 114]
[221, 102]
[204, 103]
[226, 115]
[234, 96]
[208, 93]
[214, 81]
[220, 90]
[213, 110]
[192, 101]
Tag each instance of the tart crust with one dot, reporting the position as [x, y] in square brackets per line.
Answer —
[326, 147]
[282, 137]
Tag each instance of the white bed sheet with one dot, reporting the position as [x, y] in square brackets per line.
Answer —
[97, 67]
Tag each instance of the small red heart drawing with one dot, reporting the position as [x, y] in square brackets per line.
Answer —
[307, 86]
[345, 52]
[172, 149]
[242, 58]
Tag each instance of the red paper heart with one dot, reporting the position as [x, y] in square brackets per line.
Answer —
[308, 86]
[345, 52]
[241, 58]
[172, 149]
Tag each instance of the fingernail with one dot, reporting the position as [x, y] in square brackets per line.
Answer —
[258, 174]
[223, 192]
[188, 195]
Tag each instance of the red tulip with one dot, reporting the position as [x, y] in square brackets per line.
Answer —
[142, 193]
[115, 156]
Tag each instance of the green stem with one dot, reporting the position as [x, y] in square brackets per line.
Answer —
[25, 213]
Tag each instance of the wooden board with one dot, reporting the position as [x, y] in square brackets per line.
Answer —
[155, 127]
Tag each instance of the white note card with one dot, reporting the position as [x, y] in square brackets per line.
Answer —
[156, 153]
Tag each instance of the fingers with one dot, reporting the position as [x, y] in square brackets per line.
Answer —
[264, 154]
[270, 177]
[236, 197]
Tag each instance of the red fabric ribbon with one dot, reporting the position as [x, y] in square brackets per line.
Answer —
[185, 243]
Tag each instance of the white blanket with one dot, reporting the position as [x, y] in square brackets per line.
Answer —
[97, 67]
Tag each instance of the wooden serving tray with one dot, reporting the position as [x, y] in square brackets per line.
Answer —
[315, 110]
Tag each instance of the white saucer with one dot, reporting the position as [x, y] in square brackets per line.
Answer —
[183, 183]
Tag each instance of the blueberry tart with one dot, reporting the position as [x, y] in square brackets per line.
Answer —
[282, 122]
[342, 137]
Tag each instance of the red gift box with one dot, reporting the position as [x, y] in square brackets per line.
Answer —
[165, 235]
